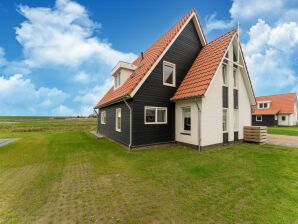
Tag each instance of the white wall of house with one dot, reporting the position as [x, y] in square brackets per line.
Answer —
[295, 115]
[212, 110]
[286, 122]
[180, 136]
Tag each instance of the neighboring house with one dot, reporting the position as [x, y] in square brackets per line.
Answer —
[276, 110]
[182, 89]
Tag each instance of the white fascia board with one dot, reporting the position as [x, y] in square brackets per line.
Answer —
[246, 78]
[165, 51]
[219, 66]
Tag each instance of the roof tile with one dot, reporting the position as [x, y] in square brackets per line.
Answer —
[204, 67]
[280, 104]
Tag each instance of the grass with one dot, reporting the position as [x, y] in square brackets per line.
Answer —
[66, 175]
[292, 131]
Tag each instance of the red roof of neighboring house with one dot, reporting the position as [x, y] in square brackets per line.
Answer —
[150, 57]
[199, 76]
[280, 104]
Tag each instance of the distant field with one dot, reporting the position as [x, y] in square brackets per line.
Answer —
[293, 131]
[39, 124]
[60, 173]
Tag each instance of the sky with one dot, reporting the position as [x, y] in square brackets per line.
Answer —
[56, 56]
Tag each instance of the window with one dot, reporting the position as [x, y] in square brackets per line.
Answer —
[117, 80]
[224, 74]
[103, 117]
[169, 74]
[260, 105]
[186, 119]
[259, 118]
[235, 78]
[275, 117]
[283, 118]
[265, 105]
[118, 119]
[235, 120]
[155, 115]
[225, 120]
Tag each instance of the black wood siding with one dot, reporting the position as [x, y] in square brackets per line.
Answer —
[109, 129]
[267, 120]
[225, 138]
[225, 97]
[153, 93]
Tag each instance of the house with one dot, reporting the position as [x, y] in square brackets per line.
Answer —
[182, 89]
[275, 110]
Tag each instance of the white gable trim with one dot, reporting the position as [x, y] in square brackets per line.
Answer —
[201, 37]
[246, 77]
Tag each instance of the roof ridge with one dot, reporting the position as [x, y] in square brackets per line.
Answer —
[222, 36]
[278, 94]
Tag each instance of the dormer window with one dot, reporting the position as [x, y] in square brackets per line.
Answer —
[117, 80]
[264, 105]
[169, 74]
[122, 72]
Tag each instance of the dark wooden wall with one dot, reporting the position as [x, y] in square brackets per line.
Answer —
[153, 93]
[267, 120]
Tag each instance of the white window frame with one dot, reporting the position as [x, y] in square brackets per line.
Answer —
[156, 109]
[103, 117]
[236, 118]
[116, 119]
[227, 125]
[169, 64]
[260, 116]
[275, 117]
[182, 123]
[117, 81]
[227, 76]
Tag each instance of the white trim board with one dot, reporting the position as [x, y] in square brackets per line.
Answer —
[246, 77]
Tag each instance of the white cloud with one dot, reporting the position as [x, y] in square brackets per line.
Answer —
[63, 35]
[247, 10]
[270, 55]
[19, 96]
[82, 77]
[63, 110]
[214, 24]
[89, 97]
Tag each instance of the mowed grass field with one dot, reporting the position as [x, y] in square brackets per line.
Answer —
[292, 131]
[59, 173]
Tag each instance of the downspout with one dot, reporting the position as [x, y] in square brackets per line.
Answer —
[199, 126]
[130, 124]
[97, 129]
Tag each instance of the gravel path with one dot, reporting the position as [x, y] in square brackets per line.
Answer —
[283, 140]
[6, 141]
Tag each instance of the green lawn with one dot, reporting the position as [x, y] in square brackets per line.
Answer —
[293, 131]
[66, 175]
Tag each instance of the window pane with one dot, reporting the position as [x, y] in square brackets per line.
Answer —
[235, 78]
[168, 73]
[224, 74]
[186, 119]
[261, 105]
[225, 118]
[150, 115]
[161, 115]
[118, 119]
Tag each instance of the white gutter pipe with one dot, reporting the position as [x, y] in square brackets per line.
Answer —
[199, 126]
[130, 124]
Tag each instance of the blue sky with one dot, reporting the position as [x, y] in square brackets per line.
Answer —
[56, 56]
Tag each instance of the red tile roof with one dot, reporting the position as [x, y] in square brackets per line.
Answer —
[150, 57]
[200, 74]
[281, 104]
